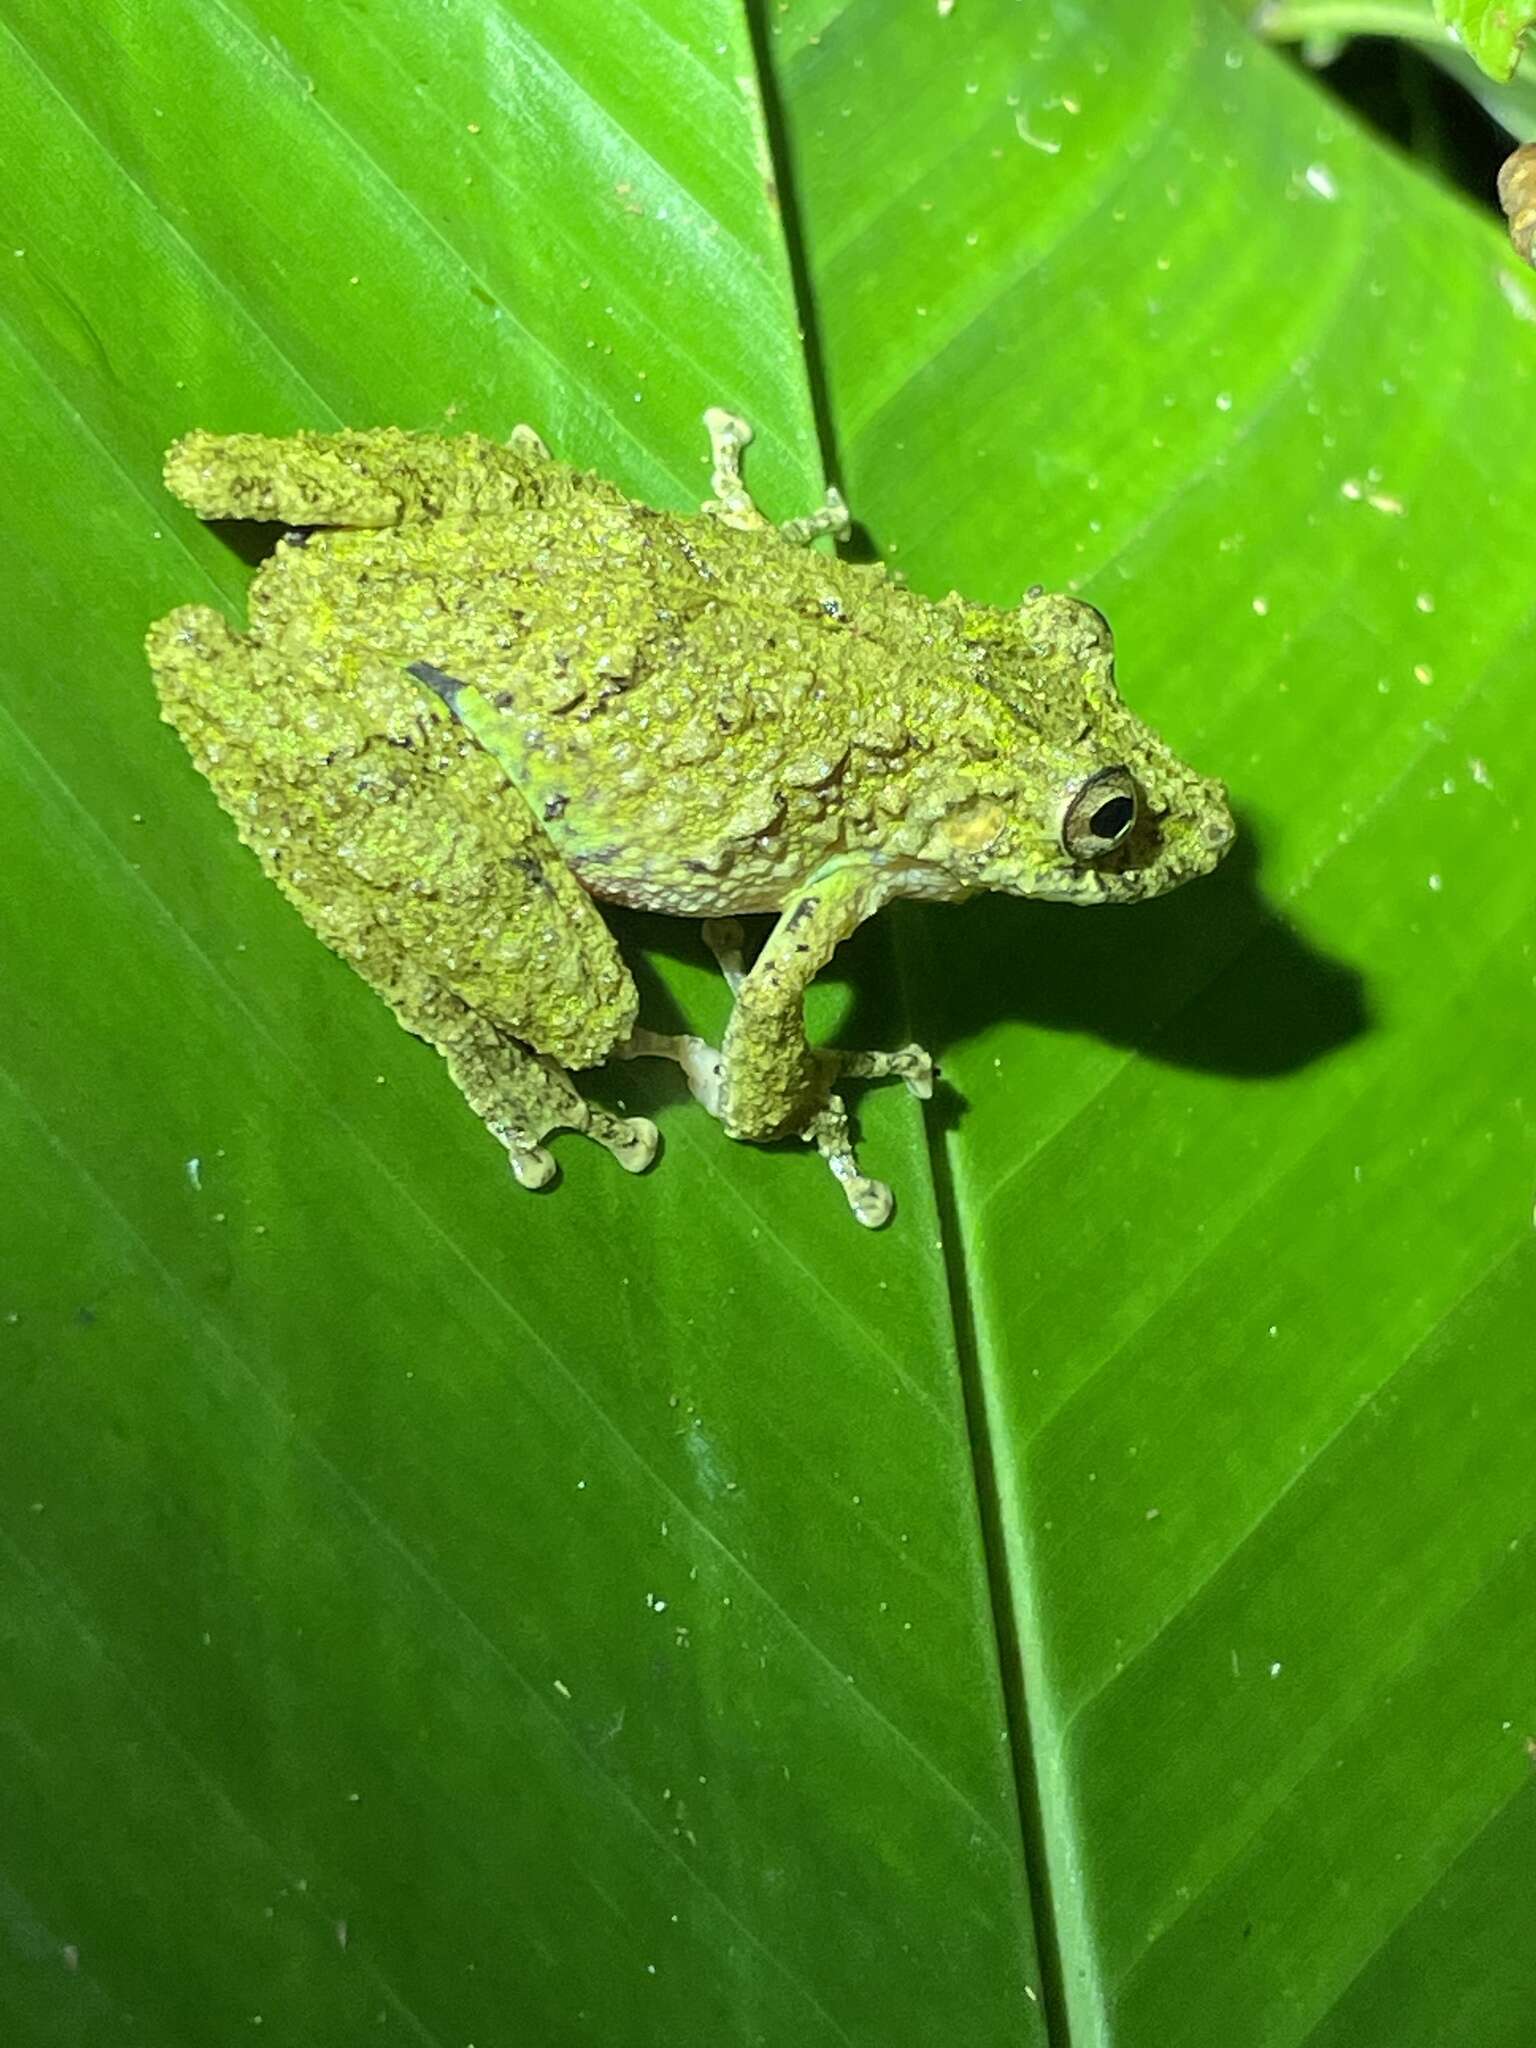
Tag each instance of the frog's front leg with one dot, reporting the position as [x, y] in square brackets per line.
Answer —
[732, 503]
[772, 1084]
[369, 477]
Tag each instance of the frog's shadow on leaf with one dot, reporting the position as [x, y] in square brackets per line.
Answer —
[1212, 977]
[250, 541]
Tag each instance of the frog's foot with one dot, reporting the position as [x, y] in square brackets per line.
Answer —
[732, 502]
[524, 1097]
[631, 1139]
[827, 1129]
[909, 1063]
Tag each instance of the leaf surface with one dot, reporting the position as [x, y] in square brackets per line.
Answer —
[1250, 1263]
[429, 1601]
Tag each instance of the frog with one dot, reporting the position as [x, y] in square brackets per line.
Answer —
[483, 692]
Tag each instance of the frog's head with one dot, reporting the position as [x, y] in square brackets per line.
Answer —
[1089, 806]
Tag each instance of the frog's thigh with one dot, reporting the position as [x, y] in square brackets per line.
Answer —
[530, 946]
[733, 504]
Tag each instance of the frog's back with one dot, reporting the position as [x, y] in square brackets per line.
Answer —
[700, 716]
[721, 713]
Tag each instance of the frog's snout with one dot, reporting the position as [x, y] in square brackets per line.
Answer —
[1178, 835]
[1219, 827]
[1195, 840]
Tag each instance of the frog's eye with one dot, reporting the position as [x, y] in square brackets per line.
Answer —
[1100, 815]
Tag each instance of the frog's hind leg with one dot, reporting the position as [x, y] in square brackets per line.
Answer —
[732, 503]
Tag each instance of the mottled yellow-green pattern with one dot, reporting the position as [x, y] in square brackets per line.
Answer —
[489, 688]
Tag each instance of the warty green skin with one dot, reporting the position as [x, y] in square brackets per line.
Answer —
[491, 688]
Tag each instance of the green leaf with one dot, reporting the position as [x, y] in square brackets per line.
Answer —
[1328, 21]
[659, 1613]
[1251, 1281]
[490, 1612]
[1492, 31]
[1323, 27]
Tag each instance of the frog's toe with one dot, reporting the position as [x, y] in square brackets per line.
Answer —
[832, 517]
[909, 1063]
[871, 1201]
[532, 1166]
[631, 1139]
[920, 1080]
[914, 1065]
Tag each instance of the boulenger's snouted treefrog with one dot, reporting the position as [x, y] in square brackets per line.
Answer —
[482, 691]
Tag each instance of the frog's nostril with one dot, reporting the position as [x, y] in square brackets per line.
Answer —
[1220, 825]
